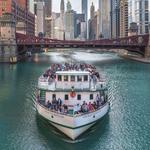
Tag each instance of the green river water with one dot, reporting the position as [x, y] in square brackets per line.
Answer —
[125, 127]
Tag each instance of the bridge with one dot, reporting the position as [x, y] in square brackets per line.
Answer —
[137, 44]
[13, 45]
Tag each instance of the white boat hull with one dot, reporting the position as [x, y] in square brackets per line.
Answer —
[73, 133]
[72, 126]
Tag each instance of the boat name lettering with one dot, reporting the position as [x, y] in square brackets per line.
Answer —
[88, 115]
[57, 115]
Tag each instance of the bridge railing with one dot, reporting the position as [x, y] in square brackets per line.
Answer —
[138, 40]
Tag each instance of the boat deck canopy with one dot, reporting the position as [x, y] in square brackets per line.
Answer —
[72, 72]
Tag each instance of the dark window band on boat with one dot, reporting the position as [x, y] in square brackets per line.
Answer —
[91, 96]
[59, 78]
[65, 78]
[54, 96]
[66, 97]
[85, 77]
[78, 97]
[72, 78]
[79, 78]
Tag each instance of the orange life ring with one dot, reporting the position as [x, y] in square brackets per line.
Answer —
[72, 94]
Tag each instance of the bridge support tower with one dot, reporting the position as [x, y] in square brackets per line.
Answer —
[8, 47]
[147, 48]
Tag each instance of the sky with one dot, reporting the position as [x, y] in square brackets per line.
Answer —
[76, 5]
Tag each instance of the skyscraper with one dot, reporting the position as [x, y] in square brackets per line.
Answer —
[139, 13]
[85, 12]
[62, 7]
[69, 22]
[43, 7]
[123, 18]
[48, 13]
[93, 22]
[48, 7]
[40, 17]
[92, 11]
[24, 19]
[104, 13]
[115, 19]
[31, 6]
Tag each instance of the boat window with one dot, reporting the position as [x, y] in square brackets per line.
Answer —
[42, 94]
[72, 78]
[65, 78]
[66, 97]
[78, 97]
[79, 78]
[53, 96]
[59, 78]
[85, 77]
[91, 96]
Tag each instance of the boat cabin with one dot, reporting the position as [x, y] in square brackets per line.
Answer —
[69, 79]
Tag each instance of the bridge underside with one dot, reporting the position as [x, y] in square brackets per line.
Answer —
[38, 47]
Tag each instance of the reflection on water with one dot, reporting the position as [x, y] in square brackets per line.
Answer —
[125, 127]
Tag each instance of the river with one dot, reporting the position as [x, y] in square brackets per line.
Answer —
[125, 127]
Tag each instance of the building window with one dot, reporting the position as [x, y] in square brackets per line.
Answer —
[66, 97]
[79, 78]
[59, 78]
[78, 97]
[146, 17]
[146, 5]
[72, 78]
[146, 29]
[85, 77]
[140, 5]
[65, 78]
[140, 29]
[91, 96]
[141, 17]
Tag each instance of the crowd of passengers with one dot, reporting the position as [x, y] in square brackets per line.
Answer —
[69, 66]
[58, 106]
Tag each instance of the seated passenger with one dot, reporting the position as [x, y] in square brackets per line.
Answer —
[90, 107]
[59, 102]
[84, 107]
[65, 108]
[54, 103]
[94, 105]
[77, 109]
[48, 104]
[102, 100]
[98, 99]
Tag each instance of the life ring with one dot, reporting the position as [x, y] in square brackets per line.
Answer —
[72, 94]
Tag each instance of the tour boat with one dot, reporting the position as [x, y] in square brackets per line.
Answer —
[72, 97]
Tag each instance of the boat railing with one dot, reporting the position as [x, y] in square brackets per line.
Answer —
[43, 79]
[46, 83]
[73, 114]
[99, 84]
[56, 112]
[86, 113]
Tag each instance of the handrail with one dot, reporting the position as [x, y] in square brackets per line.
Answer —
[74, 115]
[53, 111]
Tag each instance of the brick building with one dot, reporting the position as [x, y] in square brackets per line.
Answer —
[25, 20]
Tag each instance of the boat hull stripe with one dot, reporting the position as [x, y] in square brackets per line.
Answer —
[71, 127]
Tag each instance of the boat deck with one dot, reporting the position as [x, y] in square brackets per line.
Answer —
[70, 111]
